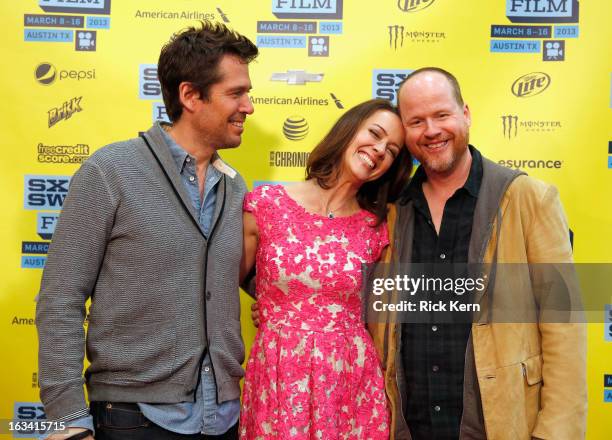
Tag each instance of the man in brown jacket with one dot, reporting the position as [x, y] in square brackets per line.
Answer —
[488, 379]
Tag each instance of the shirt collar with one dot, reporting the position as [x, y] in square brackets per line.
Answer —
[471, 185]
[178, 154]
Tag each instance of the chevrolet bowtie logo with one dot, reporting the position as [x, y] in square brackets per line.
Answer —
[299, 77]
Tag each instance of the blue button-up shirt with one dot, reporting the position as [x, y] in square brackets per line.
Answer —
[204, 415]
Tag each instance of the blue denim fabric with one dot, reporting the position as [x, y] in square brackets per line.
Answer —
[204, 415]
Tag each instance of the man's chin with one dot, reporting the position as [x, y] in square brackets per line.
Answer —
[439, 166]
[230, 144]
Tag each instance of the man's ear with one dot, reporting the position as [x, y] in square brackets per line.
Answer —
[189, 96]
[467, 115]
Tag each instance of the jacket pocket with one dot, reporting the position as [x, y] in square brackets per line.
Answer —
[140, 353]
[532, 372]
[532, 369]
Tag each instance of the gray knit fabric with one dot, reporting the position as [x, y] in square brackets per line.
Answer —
[129, 239]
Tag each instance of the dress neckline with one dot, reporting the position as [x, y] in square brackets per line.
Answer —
[361, 212]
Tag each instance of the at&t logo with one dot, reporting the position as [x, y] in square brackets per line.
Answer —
[530, 85]
[295, 128]
[414, 5]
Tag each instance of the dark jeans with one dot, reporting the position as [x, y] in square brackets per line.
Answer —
[124, 421]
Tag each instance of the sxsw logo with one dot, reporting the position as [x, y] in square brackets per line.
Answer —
[608, 323]
[542, 11]
[76, 6]
[317, 9]
[530, 84]
[385, 83]
[28, 412]
[45, 224]
[414, 5]
[148, 84]
[45, 192]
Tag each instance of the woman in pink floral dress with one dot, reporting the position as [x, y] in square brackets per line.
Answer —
[313, 372]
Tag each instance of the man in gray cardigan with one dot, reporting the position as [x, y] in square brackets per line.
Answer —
[151, 232]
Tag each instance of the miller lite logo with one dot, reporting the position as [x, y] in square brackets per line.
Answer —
[414, 5]
[530, 85]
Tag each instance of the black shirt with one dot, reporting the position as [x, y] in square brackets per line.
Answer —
[434, 354]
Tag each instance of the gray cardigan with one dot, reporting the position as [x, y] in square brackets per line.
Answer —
[161, 292]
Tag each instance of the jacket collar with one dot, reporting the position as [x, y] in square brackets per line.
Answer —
[495, 182]
[161, 151]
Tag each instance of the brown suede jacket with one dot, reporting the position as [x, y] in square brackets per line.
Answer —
[531, 377]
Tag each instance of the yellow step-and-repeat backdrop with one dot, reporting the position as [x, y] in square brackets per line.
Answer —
[79, 74]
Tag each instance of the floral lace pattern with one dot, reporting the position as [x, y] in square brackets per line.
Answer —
[313, 372]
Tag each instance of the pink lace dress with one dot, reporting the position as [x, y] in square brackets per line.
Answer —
[313, 372]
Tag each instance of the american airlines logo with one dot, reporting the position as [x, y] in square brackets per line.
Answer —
[297, 77]
[223, 16]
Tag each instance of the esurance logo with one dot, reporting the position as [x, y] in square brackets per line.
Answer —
[317, 9]
[74, 6]
[530, 85]
[148, 84]
[542, 11]
[45, 192]
[414, 5]
[385, 83]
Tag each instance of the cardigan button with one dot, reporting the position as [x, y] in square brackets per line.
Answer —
[208, 295]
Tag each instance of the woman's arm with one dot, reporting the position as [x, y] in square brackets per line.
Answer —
[249, 244]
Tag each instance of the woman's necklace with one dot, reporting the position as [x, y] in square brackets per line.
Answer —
[330, 212]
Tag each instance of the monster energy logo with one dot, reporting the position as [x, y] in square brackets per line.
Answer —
[396, 36]
[510, 125]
